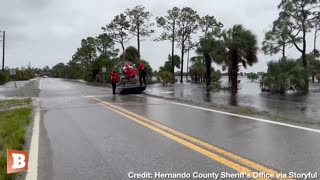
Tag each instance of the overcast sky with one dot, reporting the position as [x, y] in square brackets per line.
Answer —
[46, 32]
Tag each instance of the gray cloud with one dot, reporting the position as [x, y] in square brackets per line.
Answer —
[47, 32]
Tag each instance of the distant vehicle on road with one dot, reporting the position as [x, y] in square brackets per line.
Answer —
[45, 76]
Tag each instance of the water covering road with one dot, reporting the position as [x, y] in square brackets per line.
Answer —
[10, 87]
[86, 133]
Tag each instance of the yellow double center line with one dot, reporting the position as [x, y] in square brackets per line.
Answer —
[238, 163]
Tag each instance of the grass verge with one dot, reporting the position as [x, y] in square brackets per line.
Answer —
[12, 131]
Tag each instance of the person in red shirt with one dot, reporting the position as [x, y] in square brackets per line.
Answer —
[133, 74]
[141, 66]
[128, 71]
[114, 80]
[142, 74]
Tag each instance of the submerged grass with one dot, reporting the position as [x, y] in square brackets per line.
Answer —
[248, 111]
[7, 104]
[12, 130]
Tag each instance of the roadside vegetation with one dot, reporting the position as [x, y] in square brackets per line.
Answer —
[97, 52]
[284, 75]
[165, 75]
[296, 20]
[3, 78]
[21, 75]
[252, 76]
[15, 115]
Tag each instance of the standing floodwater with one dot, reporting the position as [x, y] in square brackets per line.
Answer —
[305, 108]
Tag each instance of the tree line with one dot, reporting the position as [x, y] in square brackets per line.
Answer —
[228, 47]
[97, 52]
[237, 46]
[215, 44]
[21, 75]
[232, 48]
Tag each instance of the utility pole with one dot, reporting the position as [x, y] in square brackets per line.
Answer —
[3, 48]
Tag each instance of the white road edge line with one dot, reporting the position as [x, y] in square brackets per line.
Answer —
[32, 173]
[237, 115]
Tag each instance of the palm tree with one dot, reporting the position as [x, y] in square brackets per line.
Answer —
[242, 48]
[197, 69]
[212, 50]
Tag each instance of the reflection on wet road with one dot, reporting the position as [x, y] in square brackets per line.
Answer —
[86, 133]
[280, 146]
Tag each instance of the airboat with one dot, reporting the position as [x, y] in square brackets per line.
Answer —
[128, 82]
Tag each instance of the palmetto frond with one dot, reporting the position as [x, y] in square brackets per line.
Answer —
[213, 47]
[244, 42]
[251, 56]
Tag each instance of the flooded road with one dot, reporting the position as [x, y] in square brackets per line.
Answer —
[304, 108]
[10, 86]
[87, 133]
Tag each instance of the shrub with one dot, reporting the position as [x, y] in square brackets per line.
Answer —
[3, 78]
[23, 75]
[252, 76]
[215, 75]
[166, 77]
[214, 86]
[215, 81]
[284, 75]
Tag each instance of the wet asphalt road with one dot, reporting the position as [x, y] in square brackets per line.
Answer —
[82, 139]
